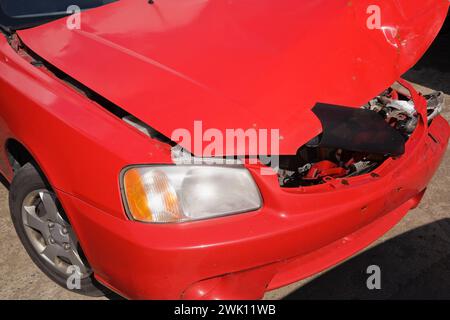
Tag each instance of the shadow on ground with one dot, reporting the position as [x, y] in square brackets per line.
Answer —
[433, 70]
[414, 265]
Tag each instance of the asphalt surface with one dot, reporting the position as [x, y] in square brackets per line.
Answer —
[414, 257]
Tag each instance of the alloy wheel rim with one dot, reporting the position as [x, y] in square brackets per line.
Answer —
[50, 234]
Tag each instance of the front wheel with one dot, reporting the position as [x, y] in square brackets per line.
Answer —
[46, 234]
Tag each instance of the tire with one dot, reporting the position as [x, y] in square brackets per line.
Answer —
[28, 183]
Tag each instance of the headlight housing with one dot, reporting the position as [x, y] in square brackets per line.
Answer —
[164, 194]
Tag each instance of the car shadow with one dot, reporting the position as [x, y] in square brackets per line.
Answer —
[433, 70]
[113, 296]
[413, 265]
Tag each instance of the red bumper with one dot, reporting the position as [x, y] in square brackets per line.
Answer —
[297, 233]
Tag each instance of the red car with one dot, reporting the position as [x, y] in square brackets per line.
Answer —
[112, 114]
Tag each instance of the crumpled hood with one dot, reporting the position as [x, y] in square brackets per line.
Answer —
[259, 64]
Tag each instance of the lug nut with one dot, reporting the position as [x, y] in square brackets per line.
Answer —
[51, 224]
[66, 246]
[51, 240]
[64, 231]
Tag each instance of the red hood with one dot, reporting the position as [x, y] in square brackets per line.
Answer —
[239, 64]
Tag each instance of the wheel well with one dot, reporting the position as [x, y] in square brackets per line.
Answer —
[18, 155]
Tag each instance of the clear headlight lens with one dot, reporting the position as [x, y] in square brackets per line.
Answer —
[163, 194]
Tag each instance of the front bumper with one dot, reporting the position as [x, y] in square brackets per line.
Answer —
[298, 232]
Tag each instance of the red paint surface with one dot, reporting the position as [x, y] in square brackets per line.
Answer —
[230, 64]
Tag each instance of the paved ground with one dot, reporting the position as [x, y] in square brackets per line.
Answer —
[414, 257]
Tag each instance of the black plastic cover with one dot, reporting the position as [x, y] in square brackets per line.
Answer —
[356, 129]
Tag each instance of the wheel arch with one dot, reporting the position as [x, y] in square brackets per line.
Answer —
[19, 154]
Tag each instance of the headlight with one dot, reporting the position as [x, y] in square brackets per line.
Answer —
[163, 194]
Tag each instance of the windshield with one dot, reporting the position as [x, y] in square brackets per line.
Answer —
[18, 14]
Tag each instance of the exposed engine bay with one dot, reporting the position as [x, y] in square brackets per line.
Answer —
[355, 141]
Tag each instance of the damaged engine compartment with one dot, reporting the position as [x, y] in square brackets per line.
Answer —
[355, 141]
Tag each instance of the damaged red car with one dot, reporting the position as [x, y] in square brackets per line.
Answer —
[100, 103]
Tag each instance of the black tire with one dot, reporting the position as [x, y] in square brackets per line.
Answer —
[26, 180]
